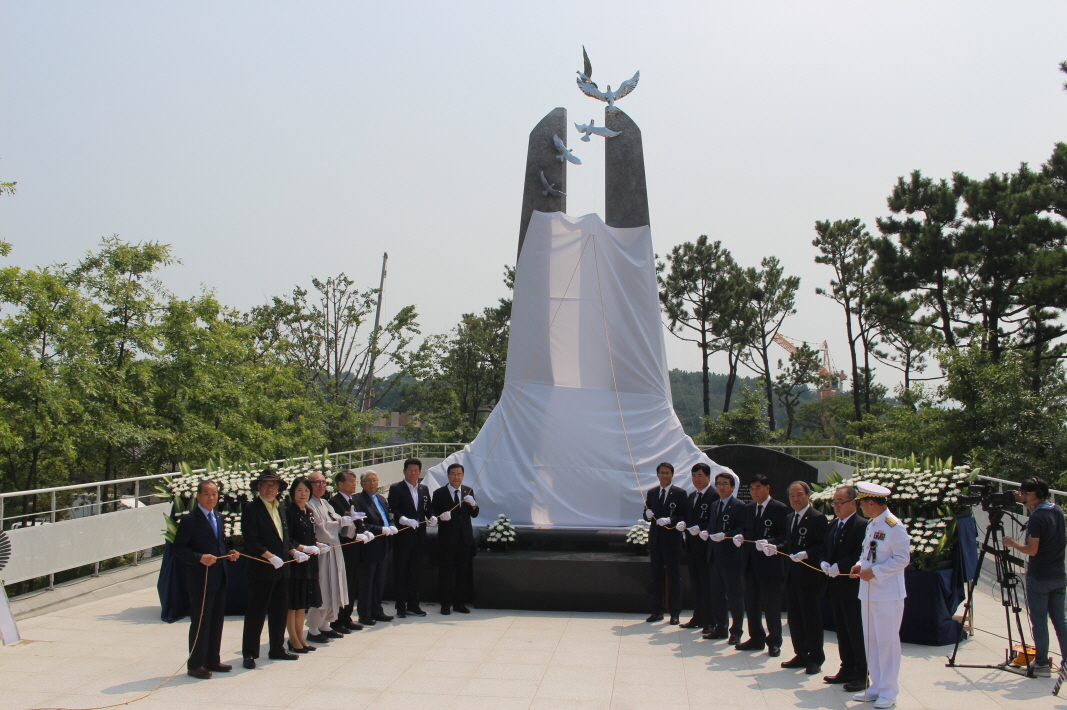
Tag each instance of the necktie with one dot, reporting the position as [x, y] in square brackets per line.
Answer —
[759, 512]
[796, 522]
[455, 497]
[214, 525]
[837, 531]
[662, 497]
[385, 518]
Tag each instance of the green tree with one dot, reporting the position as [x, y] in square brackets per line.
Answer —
[746, 423]
[775, 296]
[792, 382]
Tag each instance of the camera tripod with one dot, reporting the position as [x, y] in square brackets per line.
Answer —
[1008, 581]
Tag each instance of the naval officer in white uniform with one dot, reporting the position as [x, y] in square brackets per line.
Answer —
[886, 552]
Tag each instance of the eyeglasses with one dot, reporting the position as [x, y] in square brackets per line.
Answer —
[838, 504]
[318, 483]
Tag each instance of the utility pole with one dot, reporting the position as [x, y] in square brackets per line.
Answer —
[369, 383]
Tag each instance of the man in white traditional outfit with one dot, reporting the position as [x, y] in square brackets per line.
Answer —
[886, 552]
[332, 577]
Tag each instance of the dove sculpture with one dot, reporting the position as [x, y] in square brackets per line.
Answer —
[590, 129]
[609, 96]
[583, 77]
[565, 153]
[550, 189]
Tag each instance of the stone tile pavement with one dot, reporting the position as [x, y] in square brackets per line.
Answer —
[114, 650]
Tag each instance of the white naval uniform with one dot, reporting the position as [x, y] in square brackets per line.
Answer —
[882, 600]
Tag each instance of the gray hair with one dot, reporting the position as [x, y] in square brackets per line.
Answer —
[204, 482]
[363, 476]
[849, 490]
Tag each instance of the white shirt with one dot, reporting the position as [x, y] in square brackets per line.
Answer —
[453, 491]
[414, 493]
[801, 514]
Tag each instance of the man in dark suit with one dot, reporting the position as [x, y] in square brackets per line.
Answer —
[666, 508]
[201, 545]
[343, 503]
[374, 560]
[266, 537]
[410, 502]
[455, 506]
[726, 561]
[764, 520]
[844, 544]
[699, 504]
[803, 541]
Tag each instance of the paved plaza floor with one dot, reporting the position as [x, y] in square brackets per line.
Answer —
[113, 650]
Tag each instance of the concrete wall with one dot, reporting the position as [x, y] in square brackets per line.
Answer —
[826, 467]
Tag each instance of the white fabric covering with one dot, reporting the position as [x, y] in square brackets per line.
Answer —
[552, 452]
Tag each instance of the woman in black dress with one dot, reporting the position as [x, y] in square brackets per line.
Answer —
[304, 591]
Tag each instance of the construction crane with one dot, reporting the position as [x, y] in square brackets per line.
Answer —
[831, 381]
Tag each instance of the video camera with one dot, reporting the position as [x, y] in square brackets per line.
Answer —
[985, 495]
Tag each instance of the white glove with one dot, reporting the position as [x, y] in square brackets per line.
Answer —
[825, 567]
[663, 522]
[367, 536]
[739, 540]
[393, 530]
[432, 522]
[408, 522]
[760, 544]
[798, 556]
[323, 548]
[718, 537]
[649, 514]
[445, 516]
[310, 550]
[300, 556]
[469, 500]
[770, 550]
[833, 571]
[680, 527]
[704, 535]
[387, 531]
[694, 530]
[346, 520]
[358, 516]
[276, 561]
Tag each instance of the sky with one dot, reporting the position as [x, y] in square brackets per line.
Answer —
[272, 142]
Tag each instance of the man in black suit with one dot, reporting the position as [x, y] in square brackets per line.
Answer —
[699, 504]
[410, 502]
[726, 561]
[374, 560]
[803, 541]
[266, 537]
[765, 519]
[666, 508]
[343, 503]
[454, 505]
[844, 544]
[201, 545]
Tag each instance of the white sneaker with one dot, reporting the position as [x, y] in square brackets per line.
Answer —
[865, 697]
[885, 702]
[1041, 671]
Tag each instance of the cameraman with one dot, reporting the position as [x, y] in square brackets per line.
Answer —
[1046, 579]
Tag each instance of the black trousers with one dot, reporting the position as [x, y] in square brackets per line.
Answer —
[666, 575]
[700, 579]
[371, 588]
[804, 612]
[266, 600]
[209, 638]
[455, 575]
[727, 598]
[407, 569]
[849, 623]
[763, 597]
[351, 557]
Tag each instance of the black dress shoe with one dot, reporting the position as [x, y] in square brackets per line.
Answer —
[219, 668]
[311, 648]
[384, 617]
[416, 611]
[340, 630]
[320, 638]
[653, 618]
[294, 649]
[401, 615]
[774, 651]
[795, 662]
[734, 640]
[201, 673]
[750, 645]
[838, 678]
[674, 620]
[716, 634]
[856, 686]
[461, 609]
[282, 656]
[446, 610]
[813, 668]
[690, 625]
[353, 626]
[249, 662]
[367, 622]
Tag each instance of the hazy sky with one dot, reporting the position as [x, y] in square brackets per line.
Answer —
[271, 142]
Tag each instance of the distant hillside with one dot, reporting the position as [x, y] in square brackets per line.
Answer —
[688, 397]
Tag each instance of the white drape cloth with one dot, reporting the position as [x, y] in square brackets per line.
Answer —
[332, 579]
[553, 451]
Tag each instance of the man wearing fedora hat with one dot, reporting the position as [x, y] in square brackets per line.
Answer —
[267, 539]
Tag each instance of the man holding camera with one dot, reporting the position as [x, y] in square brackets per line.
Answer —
[1046, 579]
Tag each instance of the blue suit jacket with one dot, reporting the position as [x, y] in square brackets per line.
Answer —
[377, 549]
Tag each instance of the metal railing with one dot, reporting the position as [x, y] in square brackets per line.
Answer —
[1015, 484]
[43, 506]
[835, 454]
